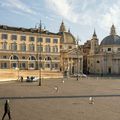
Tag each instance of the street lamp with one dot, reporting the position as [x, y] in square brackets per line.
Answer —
[77, 43]
[39, 55]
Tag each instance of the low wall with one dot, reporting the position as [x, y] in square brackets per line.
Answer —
[6, 75]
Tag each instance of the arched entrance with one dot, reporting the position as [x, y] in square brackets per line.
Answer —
[14, 61]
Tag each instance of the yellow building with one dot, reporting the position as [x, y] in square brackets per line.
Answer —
[29, 49]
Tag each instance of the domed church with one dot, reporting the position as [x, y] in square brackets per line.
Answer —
[70, 55]
[104, 59]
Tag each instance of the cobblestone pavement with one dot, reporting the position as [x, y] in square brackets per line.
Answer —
[106, 107]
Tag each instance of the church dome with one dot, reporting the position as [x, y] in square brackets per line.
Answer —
[68, 38]
[112, 39]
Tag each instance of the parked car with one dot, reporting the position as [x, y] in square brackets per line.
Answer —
[32, 79]
[83, 75]
[80, 75]
[35, 79]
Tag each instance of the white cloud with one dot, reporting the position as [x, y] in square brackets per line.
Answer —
[111, 16]
[18, 6]
[84, 12]
[63, 8]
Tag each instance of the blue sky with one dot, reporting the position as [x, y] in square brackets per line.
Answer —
[81, 16]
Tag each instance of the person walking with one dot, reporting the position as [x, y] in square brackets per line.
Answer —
[6, 110]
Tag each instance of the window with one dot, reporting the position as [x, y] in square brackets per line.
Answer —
[31, 65]
[40, 58]
[23, 47]
[3, 65]
[53, 66]
[60, 46]
[4, 46]
[56, 66]
[109, 49]
[39, 39]
[47, 48]
[32, 39]
[55, 49]
[55, 40]
[47, 40]
[23, 38]
[4, 36]
[23, 65]
[118, 49]
[47, 65]
[14, 57]
[70, 47]
[31, 47]
[14, 46]
[62, 40]
[4, 57]
[14, 65]
[40, 48]
[23, 57]
[48, 58]
[13, 37]
[40, 65]
[31, 58]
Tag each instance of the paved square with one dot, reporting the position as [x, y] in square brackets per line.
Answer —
[67, 108]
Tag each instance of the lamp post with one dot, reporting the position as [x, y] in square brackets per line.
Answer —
[77, 43]
[39, 57]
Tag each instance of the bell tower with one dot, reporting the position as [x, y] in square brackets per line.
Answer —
[62, 27]
[94, 44]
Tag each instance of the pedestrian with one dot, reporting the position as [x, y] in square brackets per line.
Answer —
[6, 110]
[91, 100]
[21, 78]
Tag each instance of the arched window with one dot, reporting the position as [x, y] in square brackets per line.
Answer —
[23, 57]
[32, 58]
[14, 57]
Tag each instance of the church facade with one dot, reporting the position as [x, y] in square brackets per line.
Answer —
[70, 54]
[104, 59]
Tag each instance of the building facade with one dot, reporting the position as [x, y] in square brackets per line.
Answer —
[29, 49]
[35, 48]
[104, 59]
[71, 54]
